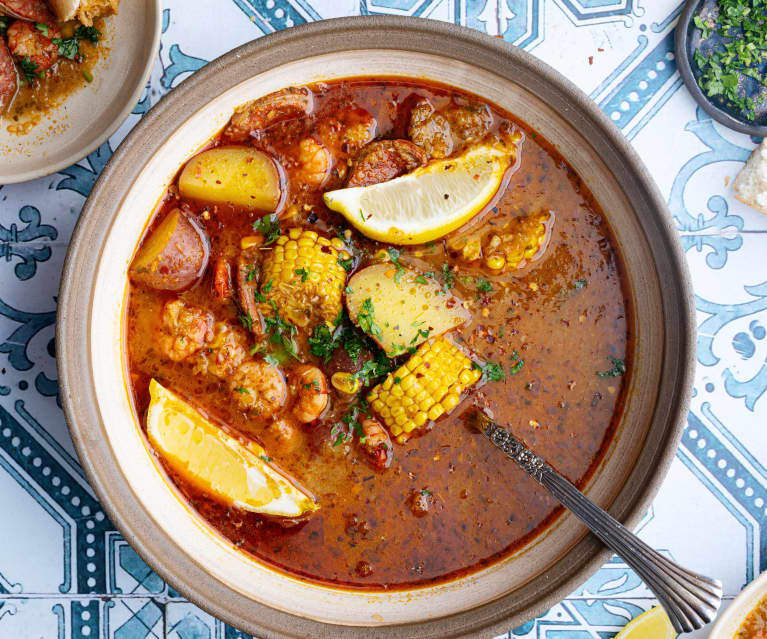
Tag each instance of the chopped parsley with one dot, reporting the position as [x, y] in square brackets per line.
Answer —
[484, 285]
[271, 359]
[265, 458]
[281, 332]
[42, 28]
[70, 47]
[448, 277]
[741, 27]
[269, 227]
[421, 279]
[579, 284]
[493, 372]
[242, 389]
[394, 256]
[347, 263]
[28, 70]
[321, 342]
[517, 363]
[422, 332]
[366, 319]
[426, 492]
[252, 270]
[374, 368]
[303, 272]
[619, 368]
[246, 320]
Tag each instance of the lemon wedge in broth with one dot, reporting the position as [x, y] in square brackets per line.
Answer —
[429, 202]
[221, 466]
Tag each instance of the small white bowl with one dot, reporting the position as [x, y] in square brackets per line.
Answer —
[729, 621]
[85, 119]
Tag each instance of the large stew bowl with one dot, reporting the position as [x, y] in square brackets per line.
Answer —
[146, 507]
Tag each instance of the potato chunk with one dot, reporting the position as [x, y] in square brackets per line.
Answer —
[238, 175]
[174, 256]
[401, 311]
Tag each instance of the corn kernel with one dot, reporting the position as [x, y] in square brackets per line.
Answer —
[251, 240]
[495, 262]
[345, 382]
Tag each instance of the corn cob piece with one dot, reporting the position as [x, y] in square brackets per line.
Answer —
[301, 276]
[427, 386]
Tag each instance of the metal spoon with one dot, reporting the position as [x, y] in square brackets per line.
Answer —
[691, 600]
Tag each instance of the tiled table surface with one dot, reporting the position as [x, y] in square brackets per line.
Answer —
[66, 573]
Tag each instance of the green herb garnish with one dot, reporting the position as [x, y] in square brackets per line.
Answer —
[484, 285]
[269, 227]
[619, 368]
[366, 319]
[493, 372]
[303, 272]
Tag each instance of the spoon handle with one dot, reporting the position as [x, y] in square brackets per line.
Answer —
[691, 600]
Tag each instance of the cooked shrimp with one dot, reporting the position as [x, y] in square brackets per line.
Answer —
[311, 390]
[250, 120]
[314, 163]
[348, 132]
[284, 432]
[259, 387]
[185, 329]
[376, 443]
[33, 44]
[227, 349]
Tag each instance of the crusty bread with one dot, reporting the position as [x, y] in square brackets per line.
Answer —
[750, 185]
[90, 9]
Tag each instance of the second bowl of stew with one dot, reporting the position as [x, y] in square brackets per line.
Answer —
[312, 271]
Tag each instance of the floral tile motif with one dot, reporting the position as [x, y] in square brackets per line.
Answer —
[65, 572]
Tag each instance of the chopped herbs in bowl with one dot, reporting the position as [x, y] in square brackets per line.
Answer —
[722, 56]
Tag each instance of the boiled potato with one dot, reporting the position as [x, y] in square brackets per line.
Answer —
[403, 312]
[174, 256]
[237, 175]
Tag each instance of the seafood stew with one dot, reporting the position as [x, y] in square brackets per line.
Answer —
[325, 292]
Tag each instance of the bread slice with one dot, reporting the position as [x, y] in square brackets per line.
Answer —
[750, 185]
[90, 9]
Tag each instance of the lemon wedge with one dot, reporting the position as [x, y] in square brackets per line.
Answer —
[428, 202]
[653, 624]
[216, 463]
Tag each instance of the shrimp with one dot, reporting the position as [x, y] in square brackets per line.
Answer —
[33, 44]
[376, 443]
[250, 120]
[314, 163]
[227, 349]
[311, 389]
[284, 432]
[185, 329]
[259, 387]
[384, 160]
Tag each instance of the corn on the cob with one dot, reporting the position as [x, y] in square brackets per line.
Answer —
[428, 385]
[302, 277]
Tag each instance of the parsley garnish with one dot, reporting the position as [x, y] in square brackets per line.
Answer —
[580, 283]
[246, 320]
[347, 264]
[321, 342]
[303, 272]
[269, 227]
[281, 331]
[742, 27]
[265, 459]
[252, 272]
[42, 28]
[394, 256]
[29, 69]
[484, 285]
[70, 47]
[374, 368]
[242, 389]
[619, 367]
[425, 492]
[448, 277]
[366, 319]
[493, 372]
[421, 279]
[271, 359]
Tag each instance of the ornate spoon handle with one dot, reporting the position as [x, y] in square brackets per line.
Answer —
[691, 600]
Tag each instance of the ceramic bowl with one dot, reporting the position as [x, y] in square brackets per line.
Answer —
[89, 116]
[728, 622]
[687, 39]
[145, 506]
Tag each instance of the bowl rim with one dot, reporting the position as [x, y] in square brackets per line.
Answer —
[155, 7]
[682, 56]
[736, 612]
[72, 340]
